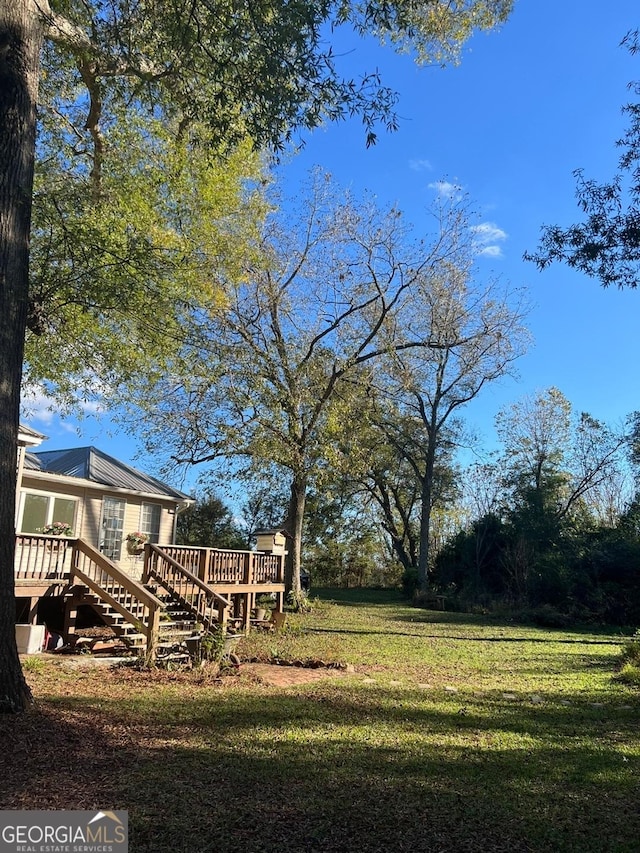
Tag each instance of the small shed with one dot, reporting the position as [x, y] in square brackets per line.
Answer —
[271, 541]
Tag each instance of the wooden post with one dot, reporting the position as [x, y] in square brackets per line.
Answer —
[70, 615]
[203, 565]
[222, 618]
[153, 629]
[248, 573]
[147, 564]
[33, 610]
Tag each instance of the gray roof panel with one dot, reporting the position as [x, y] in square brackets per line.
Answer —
[92, 464]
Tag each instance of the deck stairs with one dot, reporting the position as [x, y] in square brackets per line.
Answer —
[182, 588]
[178, 620]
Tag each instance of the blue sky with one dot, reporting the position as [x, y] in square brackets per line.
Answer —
[527, 105]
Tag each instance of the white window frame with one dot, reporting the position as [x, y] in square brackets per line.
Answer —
[113, 553]
[143, 529]
[52, 497]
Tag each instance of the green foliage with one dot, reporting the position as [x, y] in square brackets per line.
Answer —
[144, 159]
[209, 524]
[586, 573]
[410, 582]
[630, 674]
[631, 650]
[299, 601]
[259, 71]
[212, 645]
[208, 647]
[630, 666]
[33, 664]
[548, 542]
[343, 545]
[546, 616]
[116, 269]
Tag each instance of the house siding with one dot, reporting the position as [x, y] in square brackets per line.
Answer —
[89, 513]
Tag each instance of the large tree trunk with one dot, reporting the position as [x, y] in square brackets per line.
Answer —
[425, 518]
[294, 525]
[20, 42]
[396, 523]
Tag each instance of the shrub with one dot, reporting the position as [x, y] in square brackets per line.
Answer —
[547, 616]
[410, 582]
[630, 668]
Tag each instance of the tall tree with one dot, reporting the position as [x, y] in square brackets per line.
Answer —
[209, 523]
[476, 332]
[278, 371]
[390, 482]
[606, 245]
[371, 459]
[553, 459]
[256, 70]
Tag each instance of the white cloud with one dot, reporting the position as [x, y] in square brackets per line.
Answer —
[446, 189]
[487, 236]
[491, 252]
[37, 406]
[488, 232]
[420, 165]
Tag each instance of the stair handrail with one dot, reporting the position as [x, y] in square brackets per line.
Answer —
[150, 570]
[136, 589]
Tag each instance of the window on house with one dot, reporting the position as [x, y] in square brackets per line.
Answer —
[150, 521]
[39, 510]
[112, 525]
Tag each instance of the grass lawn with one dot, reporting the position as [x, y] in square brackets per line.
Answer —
[446, 733]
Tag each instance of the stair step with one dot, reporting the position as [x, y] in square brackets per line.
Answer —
[177, 619]
[177, 632]
[135, 640]
[138, 612]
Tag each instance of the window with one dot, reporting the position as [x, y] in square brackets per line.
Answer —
[39, 510]
[112, 524]
[150, 521]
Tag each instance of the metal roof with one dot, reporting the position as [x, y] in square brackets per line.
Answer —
[27, 435]
[92, 464]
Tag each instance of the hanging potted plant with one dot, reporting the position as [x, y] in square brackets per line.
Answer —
[135, 542]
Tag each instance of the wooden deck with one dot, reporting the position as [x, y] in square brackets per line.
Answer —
[212, 585]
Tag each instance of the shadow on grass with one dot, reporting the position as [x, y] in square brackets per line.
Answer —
[361, 595]
[325, 770]
[439, 617]
[393, 599]
[467, 638]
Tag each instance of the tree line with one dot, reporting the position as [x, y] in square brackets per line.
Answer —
[547, 527]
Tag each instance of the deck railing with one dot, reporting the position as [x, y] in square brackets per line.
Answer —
[40, 557]
[197, 596]
[188, 573]
[53, 560]
[221, 566]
